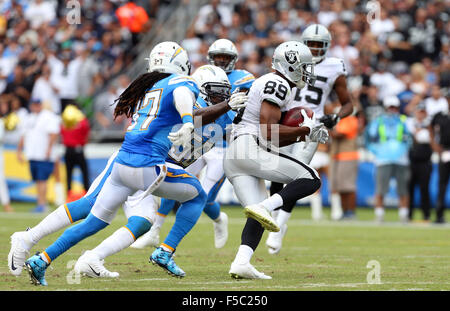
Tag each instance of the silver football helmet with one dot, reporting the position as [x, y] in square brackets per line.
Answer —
[169, 57]
[317, 33]
[293, 60]
[213, 83]
[223, 47]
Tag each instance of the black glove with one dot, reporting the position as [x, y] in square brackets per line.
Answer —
[330, 120]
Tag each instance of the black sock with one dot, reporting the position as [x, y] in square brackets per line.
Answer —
[275, 187]
[296, 190]
[252, 233]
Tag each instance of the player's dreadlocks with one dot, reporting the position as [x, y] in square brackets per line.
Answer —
[128, 100]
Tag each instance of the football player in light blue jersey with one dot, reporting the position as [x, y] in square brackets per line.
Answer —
[208, 77]
[157, 100]
[140, 215]
[223, 54]
[204, 138]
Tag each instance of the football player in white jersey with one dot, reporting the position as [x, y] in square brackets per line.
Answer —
[330, 73]
[253, 154]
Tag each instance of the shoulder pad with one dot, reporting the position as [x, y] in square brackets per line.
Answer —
[247, 78]
[181, 78]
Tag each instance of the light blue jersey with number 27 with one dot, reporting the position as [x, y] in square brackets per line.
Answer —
[146, 142]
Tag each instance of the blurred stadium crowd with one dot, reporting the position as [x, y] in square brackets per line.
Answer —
[390, 48]
[43, 56]
[404, 52]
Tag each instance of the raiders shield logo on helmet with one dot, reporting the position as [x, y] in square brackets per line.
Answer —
[291, 57]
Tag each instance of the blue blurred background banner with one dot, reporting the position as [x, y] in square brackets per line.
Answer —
[22, 189]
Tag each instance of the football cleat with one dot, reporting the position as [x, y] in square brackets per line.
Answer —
[246, 271]
[36, 268]
[18, 253]
[275, 240]
[221, 231]
[164, 259]
[89, 264]
[259, 213]
[149, 239]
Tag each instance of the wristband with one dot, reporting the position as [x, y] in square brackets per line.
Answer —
[187, 118]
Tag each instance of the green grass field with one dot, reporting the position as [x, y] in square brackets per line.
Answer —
[316, 256]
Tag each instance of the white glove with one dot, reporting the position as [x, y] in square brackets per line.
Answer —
[238, 100]
[319, 134]
[307, 121]
[183, 136]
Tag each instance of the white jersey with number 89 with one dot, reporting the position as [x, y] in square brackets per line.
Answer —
[315, 97]
[270, 87]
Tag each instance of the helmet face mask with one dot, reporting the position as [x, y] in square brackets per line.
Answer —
[308, 76]
[303, 74]
[215, 92]
[318, 49]
[222, 60]
[222, 53]
[213, 83]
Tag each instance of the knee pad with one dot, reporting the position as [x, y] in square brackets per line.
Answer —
[138, 225]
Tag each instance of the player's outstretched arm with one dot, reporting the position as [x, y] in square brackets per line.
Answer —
[209, 114]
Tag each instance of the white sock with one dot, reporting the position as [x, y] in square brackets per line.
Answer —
[44, 258]
[59, 194]
[275, 213]
[283, 218]
[159, 220]
[379, 212]
[403, 212]
[316, 206]
[55, 221]
[116, 242]
[244, 254]
[166, 248]
[218, 219]
[336, 206]
[272, 202]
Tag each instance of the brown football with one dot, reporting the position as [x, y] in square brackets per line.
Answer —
[293, 117]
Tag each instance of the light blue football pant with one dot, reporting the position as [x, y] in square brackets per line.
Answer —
[211, 182]
[114, 186]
